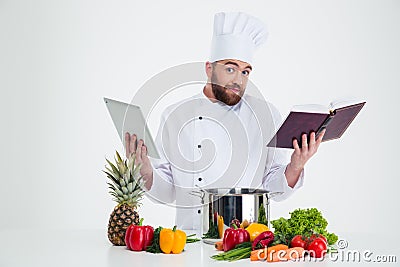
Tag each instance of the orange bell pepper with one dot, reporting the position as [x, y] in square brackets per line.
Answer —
[172, 241]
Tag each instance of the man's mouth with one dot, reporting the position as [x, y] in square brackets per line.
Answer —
[234, 89]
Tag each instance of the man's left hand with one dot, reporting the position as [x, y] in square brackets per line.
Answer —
[301, 155]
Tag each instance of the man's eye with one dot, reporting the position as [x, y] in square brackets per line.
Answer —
[245, 73]
[230, 70]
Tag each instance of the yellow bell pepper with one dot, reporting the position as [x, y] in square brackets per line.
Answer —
[220, 226]
[244, 224]
[172, 241]
[255, 229]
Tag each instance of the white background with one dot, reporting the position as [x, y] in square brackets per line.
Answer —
[58, 59]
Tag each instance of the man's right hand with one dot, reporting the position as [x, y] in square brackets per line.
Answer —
[140, 151]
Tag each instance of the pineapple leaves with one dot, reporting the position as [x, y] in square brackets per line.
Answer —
[135, 172]
[124, 190]
[114, 180]
[111, 186]
[126, 178]
[118, 156]
[122, 182]
[109, 175]
[119, 192]
[130, 187]
[131, 162]
[114, 169]
[113, 194]
[120, 163]
[126, 183]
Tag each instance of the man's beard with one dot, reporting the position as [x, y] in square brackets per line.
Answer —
[222, 93]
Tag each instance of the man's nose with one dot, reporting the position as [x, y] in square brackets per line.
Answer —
[238, 78]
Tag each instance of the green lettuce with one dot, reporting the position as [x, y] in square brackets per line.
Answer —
[301, 222]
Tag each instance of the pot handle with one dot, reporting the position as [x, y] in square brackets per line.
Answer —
[271, 195]
[198, 193]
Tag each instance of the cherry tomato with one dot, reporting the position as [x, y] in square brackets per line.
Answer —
[298, 241]
[317, 248]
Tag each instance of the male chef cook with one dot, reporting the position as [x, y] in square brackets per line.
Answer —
[218, 137]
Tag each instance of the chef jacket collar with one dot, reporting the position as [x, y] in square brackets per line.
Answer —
[235, 107]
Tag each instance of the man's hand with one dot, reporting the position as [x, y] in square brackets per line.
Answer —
[301, 155]
[140, 150]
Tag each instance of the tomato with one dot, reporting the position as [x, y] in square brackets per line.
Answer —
[314, 236]
[317, 248]
[298, 241]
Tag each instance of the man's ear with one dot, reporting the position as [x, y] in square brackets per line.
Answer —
[209, 69]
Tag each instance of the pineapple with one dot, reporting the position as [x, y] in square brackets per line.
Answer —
[126, 187]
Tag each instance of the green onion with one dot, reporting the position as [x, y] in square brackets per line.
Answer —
[191, 239]
[241, 251]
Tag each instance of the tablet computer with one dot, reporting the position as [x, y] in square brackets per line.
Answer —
[129, 118]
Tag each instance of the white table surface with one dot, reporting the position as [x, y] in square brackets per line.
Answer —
[92, 248]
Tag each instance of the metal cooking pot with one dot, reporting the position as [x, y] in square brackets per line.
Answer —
[239, 203]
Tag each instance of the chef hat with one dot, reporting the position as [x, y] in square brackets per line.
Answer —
[236, 36]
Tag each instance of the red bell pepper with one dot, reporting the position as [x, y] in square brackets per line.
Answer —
[138, 237]
[233, 237]
[236, 222]
[263, 240]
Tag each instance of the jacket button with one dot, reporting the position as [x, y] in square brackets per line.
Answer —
[200, 179]
[199, 146]
[200, 118]
[198, 211]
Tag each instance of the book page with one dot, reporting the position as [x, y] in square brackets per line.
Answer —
[344, 102]
[341, 121]
[311, 108]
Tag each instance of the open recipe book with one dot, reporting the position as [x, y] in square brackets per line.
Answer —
[335, 118]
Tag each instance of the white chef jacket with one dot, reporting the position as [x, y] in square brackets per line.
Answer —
[205, 144]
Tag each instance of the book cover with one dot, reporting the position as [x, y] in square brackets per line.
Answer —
[299, 122]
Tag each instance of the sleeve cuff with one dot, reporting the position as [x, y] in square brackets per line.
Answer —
[281, 184]
[299, 182]
[162, 190]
